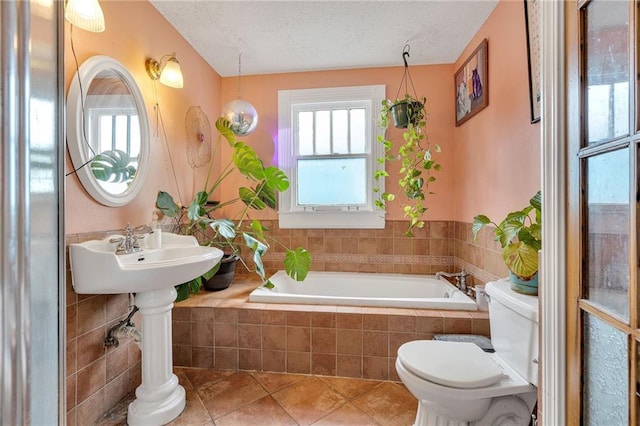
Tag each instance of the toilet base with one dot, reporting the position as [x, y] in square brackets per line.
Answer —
[502, 411]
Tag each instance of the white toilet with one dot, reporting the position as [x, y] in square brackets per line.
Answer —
[457, 383]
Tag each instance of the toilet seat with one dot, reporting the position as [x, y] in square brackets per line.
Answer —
[460, 365]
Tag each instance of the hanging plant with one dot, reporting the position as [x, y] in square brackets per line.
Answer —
[414, 152]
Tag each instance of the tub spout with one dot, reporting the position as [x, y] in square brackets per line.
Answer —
[460, 278]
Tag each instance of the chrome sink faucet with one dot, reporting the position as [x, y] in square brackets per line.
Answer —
[460, 278]
[129, 243]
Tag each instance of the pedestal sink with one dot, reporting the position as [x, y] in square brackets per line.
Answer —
[151, 274]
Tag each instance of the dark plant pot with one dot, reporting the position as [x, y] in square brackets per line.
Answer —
[404, 112]
[529, 287]
[223, 278]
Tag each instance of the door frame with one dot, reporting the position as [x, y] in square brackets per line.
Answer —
[553, 295]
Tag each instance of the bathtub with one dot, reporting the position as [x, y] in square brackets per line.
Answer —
[364, 289]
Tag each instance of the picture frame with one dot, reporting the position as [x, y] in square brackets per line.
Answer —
[532, 25]
[471, 83]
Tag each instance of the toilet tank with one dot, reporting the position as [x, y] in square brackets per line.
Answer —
[513, 319]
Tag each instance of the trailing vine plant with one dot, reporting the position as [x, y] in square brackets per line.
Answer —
[415, 153]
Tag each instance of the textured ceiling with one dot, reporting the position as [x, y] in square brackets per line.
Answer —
[293, 36]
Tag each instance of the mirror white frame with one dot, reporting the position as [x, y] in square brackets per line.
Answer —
[78, 147]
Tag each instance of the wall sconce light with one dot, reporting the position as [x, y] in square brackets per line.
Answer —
[85, 14]
[167, 70]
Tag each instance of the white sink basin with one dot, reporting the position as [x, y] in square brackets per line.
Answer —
[96, 269]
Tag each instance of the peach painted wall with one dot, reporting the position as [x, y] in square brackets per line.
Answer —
[497, 152]
[136, 30]
[430, 81]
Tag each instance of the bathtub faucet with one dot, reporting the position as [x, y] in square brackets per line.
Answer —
[460, 277]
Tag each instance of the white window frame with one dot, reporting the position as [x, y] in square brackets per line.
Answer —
[289, 102]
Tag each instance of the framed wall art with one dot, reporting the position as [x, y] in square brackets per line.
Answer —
[532, 24]
[472, 84]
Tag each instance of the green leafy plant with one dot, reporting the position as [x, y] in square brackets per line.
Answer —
[113, 166]
[519, 235]
[232, 235]
[415, 154]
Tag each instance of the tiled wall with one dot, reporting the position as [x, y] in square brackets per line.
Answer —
[326, 340]
[97, 377]
[482, 258]
[385, 250]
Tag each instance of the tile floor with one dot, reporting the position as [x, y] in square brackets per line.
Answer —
[239, 398]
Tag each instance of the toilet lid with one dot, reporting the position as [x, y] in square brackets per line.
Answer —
[454, 364]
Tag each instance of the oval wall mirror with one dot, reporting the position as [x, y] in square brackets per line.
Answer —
[107, 131]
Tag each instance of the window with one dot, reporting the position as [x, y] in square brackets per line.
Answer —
[327, 146]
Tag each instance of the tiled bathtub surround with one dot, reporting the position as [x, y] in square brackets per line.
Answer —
[352, 342]
[223, 330]
[439, 246]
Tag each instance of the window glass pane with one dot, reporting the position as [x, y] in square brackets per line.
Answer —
[606, 374]
[135, 137]
[122, 132]
[305, 133]
[323, 132]
[358, 144]
[340, 124]
[607, 69]
[608, 231]
[332, 182]
[106, 131]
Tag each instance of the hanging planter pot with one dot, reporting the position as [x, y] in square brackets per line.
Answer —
[405, 112]
[223, 278]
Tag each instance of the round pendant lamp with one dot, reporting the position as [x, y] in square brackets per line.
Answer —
[240, 113]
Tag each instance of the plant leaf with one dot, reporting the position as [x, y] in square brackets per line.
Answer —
[165, 203]
[248, 162]
[258, 229]
[224, 227]
[211, 272]
[521, 259]
[479, 222]
[276, 179]
[259, 249]
[197, 209]
[224, 128]
[268, 284]
[251, 199]
[297, 263]
[268, 195]
[113, 166]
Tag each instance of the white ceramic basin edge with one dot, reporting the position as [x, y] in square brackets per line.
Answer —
[96, 269]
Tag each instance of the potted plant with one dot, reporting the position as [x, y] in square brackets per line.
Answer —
[201, 217]
[520, 237]
[415, 154]
[404, 111]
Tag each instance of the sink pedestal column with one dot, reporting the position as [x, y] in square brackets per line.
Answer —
[159, 399]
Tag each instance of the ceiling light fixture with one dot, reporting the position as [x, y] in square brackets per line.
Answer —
[167, 70]
[240, 113]
[85, 14]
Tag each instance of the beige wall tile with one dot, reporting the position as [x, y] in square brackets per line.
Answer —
[323, 364]
[349, 342]
[375, 368]
[90, 379]
[274, 337]
[298, 339]
[250, 336]
[349, 365]
[202, 333]
[299, 362]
